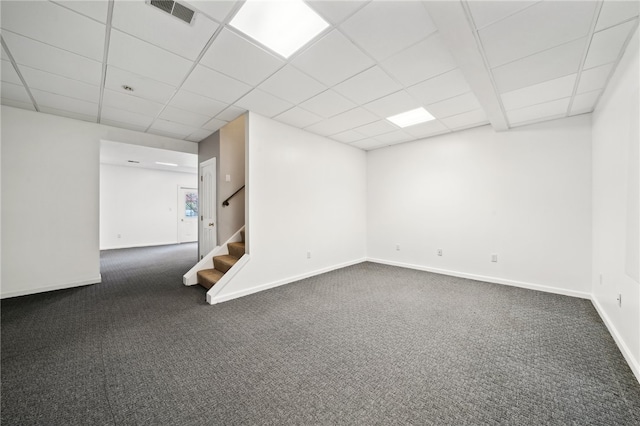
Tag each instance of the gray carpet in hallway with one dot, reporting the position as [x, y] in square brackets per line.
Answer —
[368, 344]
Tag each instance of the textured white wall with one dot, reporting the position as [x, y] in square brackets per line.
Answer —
[140, 205]
[524, 195]
[305, 193]
[50, 197]
[616, 195]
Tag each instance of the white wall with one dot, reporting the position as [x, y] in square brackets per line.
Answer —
[524, 195]
[140, 205]
[616, 215]
[50, 184]
[305, 193]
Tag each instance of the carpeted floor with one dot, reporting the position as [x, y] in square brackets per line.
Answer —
[365, 345]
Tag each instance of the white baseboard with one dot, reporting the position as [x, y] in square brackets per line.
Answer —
[634, 364]
[168, 243]
[494, 280]
[262, 287]
[81, 283]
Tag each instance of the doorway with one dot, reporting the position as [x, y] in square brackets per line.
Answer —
[187, 214]
[208, 212]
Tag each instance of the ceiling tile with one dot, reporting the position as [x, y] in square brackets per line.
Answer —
[50, 23]
[594, 78]
[376, 128]
[615, 11]
[214, 124]
[140, 19]
[212, 84]
[298, 117]
[328, 104]
[51, 59]
[9, 74]
[537, 28]
[64, 103]
[367, 86]
[93, 9]
[396, 136]
[555, 108]
[171, 129]
[130, 103]
[37, 79]
[548, 65]
[15, 92]
[142, 58]
[195, 103]
[488, 12]
[606, 45]
[17, 104]
[464, 120]
[263, 103]
[217, 10]
[439, 88]
[68, 114]
[543, 92]
[456, 105]
[335, 11]
[199, 135]
[332, 59]
[341, 122]
[128, 117]
[347, 136]
[585, 102]
[393, 104]
[121, 125]
[430, 128]
[235, 56]
[383, 28]
[231, 113]
[143, 87]
[292, 85]
[181, 116]
[421, 61]
[368, 144]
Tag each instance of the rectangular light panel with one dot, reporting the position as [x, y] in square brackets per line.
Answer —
[282, 26]
[410, 118]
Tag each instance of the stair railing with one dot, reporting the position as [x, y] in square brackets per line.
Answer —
[225, 203]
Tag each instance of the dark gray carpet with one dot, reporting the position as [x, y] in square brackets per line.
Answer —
[368, 344]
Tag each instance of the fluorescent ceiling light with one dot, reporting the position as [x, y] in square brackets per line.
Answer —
[284, 26]
[409, 118]
[166, 164]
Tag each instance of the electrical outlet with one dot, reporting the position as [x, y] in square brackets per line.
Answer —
[119, 236]
[494, 257]
[397, 247]
[308, 255]
[439, 252]
[619, 299]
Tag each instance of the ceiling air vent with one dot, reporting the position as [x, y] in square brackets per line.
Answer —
[175, 9]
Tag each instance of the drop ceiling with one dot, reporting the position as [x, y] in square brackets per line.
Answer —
[469, 63]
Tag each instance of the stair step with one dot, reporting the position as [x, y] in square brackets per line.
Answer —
[236, 249]
[224, 263]
[242, 235]
[208, 277]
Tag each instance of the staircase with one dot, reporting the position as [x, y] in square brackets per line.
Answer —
[221, 264]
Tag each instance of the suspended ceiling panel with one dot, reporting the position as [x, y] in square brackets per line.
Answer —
[523, 62]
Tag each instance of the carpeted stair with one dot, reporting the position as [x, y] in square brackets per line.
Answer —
[221, 264]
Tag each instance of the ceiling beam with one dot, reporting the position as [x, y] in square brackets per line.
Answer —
[458, 34]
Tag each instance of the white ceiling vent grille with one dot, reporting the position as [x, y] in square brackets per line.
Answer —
[175, 9]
